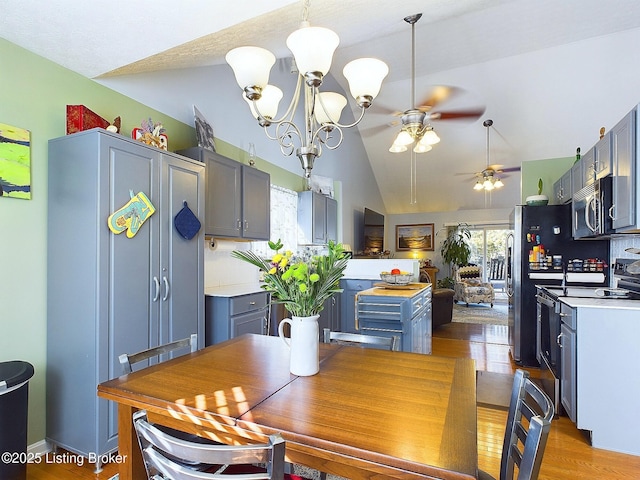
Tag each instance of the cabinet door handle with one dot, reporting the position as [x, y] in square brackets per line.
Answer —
[612, 212]
[252, 303]
[356, 312]
[238, 224]
[156, 285]
[166, 289]
[246, 225]
[559, 340]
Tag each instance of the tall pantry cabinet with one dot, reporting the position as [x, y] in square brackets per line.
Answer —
[110, 293]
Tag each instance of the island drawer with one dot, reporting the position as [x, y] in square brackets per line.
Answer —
[247, 303]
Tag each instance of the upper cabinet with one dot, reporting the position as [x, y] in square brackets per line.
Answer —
[625, 183]
[317, 218]
[238, 197]
[562, 189]
[596, 163]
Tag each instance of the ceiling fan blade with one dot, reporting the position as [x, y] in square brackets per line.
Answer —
[510, 169]
[438, 95]
[471, 114]
[384, 110]
[370, 131]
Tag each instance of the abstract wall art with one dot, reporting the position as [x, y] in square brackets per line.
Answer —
[15, 162]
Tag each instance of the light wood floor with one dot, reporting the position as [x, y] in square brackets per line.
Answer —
[568, 454]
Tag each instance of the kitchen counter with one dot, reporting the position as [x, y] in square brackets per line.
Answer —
[608, 303]
[415, 289]
[233, 290]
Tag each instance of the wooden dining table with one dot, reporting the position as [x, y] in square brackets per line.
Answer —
[367, 414]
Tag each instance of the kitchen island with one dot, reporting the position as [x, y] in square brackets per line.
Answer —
[405, 312]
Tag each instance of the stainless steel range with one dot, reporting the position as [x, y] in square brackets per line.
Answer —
[549, 319]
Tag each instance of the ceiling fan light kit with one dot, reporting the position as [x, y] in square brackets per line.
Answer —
[313, 49]
[490, 180]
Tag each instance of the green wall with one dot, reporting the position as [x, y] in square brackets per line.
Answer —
[549, 170]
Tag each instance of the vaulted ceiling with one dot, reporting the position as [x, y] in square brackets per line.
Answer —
[548, 73]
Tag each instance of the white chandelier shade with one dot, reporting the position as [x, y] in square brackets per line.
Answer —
[328, 107]
[365, 76]
[318, 58]
[251, 65]
[267, 104]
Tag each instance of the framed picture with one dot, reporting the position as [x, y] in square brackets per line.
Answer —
[414, 237]
[204, 131]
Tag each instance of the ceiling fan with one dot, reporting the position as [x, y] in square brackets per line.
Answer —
[415, 121]
[492, 175]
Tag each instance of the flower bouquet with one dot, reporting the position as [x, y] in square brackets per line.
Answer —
[301, 285]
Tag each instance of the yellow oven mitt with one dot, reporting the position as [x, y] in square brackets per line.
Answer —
[132, 215]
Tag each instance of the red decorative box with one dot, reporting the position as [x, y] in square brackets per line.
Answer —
[80, 118]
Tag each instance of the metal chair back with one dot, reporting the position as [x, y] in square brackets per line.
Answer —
[388, 343]
[127, 361]
[528, 425]
[166, 456]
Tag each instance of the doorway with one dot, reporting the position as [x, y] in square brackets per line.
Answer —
[488, 249]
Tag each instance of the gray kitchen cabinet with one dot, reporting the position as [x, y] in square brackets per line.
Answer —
[108, 293]
[568, 360]
[625, 177]
[230, 317]
[562, 189]
[350, 288]
[576, 173]
[237, 197]
[317, 218]
[407, 315]
[596, 163]
[330, 315]
[602, 161]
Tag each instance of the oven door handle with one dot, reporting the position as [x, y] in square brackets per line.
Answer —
[545, 301]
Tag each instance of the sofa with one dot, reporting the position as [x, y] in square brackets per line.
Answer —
[441, 306]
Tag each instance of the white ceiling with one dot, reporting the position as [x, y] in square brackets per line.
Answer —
[528, 62]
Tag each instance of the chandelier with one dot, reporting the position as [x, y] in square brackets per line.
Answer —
[489, 179]
[415, 126]
[312, 49]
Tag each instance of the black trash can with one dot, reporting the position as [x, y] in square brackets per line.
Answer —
[14, 402]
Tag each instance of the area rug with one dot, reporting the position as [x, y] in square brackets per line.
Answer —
[480, 313]
[312, 474]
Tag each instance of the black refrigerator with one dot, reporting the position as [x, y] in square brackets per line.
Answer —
[537, 228]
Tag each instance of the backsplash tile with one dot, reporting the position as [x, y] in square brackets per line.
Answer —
[618, 245]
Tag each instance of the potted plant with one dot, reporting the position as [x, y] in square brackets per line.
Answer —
[539, 199]
[302, 285]
[455, 250]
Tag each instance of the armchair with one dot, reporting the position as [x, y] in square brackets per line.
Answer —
[469, 287]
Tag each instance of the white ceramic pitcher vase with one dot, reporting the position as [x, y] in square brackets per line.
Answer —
[303, 344]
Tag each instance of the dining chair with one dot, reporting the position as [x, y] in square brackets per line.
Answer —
[388, 343]
[168, 457]
[127, 361]
[524, 442]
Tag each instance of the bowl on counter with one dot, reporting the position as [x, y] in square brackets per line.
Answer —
[397, 278]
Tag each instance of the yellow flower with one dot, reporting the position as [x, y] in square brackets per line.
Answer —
[276, 258]
[273, 270]
[314, 277]
[302, 287]
[288, 253]
[284, 262]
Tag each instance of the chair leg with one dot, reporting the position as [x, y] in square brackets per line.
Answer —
[323, 476]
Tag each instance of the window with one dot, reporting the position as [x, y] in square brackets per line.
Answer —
[284, 221]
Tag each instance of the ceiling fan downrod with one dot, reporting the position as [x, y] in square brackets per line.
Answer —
[411, 20]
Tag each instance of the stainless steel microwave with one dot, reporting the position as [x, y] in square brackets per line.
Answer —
[592, 209]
